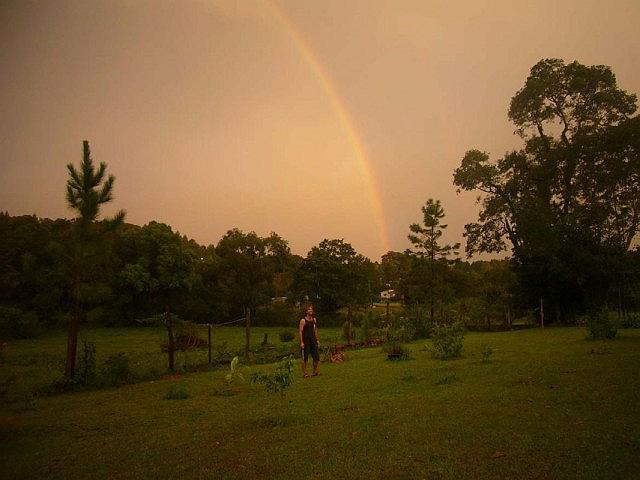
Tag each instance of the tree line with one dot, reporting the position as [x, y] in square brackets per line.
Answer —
[566, 206]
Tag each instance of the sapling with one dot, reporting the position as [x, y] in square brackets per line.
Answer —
[278, 381]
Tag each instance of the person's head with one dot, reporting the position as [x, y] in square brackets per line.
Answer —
[309, 310]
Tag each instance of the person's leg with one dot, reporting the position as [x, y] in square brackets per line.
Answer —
[316, 360]
[305, 358]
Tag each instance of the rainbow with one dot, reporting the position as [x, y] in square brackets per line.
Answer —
[343, 115]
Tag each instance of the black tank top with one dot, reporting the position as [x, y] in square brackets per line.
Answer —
[308, 329]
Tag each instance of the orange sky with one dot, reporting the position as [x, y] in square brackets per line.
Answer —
[216, 114]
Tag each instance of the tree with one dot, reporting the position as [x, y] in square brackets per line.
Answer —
[426, 240]
[568, 203]
[334, 275]
[87, 191]
[247, 264]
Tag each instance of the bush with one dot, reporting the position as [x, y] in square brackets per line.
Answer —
[448, 341]
[177, 392]
[600, 325]
[631, 320]
[287, 336]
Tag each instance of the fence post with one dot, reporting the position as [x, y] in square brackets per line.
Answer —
[209, 335]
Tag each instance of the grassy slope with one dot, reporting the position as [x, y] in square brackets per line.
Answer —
[545, 407]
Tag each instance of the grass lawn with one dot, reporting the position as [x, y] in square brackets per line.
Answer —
[549, 404]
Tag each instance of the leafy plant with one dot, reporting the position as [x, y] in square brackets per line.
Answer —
[177, 392]
[235, 374]
[278, 381]
[448, 341]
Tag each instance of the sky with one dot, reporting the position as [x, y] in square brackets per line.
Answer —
[309, 118]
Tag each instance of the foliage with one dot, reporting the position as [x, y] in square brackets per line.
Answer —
[287, 336]
[448, 341]
[334, 275]
[87, 190]
[278, 381]
[235, 374]
[177, 392]
[600, 326]
[568, 202]
[418, 320]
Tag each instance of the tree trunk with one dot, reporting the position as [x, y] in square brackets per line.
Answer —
[247, 332]
[172, 345]
[349, 324]
[74, 326]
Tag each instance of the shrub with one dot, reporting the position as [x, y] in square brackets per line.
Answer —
[287, 336]
[600, 326]
[631, 320]
[116, 369]
[448, 341]
[177, 392]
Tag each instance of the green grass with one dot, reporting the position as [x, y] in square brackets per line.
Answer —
[34, 363]
[548, 404]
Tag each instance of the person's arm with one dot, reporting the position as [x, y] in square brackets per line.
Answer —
[315, 331]
[300, 330]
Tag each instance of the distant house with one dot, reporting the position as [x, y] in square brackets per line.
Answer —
[278, 299]
[388, 294]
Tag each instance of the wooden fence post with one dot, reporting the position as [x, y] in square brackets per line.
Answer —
[209, 336]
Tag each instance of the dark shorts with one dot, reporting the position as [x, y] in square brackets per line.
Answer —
[311, 347]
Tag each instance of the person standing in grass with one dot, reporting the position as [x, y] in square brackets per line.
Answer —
[309, 341]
